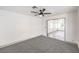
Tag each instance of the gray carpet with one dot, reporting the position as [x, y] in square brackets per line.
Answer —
[41, 44]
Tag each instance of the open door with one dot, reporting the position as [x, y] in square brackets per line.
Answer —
[56, 29]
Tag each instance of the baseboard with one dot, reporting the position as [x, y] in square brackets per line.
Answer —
[14, 42]
[11, 43]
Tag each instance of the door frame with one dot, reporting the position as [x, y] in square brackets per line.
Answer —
[64, 26]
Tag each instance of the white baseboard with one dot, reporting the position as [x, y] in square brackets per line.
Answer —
[14, 42]
[11, 43]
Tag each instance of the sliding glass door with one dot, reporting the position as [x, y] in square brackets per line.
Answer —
[56, 28]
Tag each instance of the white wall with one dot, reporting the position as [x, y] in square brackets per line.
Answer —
[78, 27]
[71, 23]
[71, 29]
[17, 27]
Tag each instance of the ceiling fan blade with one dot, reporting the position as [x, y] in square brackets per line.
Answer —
[33, 12]
[34, 7]
[43, 10]
[47, 13]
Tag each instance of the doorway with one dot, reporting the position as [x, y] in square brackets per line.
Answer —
[56, 28]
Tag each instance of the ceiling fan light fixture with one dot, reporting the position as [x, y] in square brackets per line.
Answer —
[40, 15]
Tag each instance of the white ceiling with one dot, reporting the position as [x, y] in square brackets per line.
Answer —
[26, 9]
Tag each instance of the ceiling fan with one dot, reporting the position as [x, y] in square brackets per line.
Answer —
[40, 12]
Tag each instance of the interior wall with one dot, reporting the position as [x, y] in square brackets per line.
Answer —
[78, 27]
[70, 25]
[16, 27]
